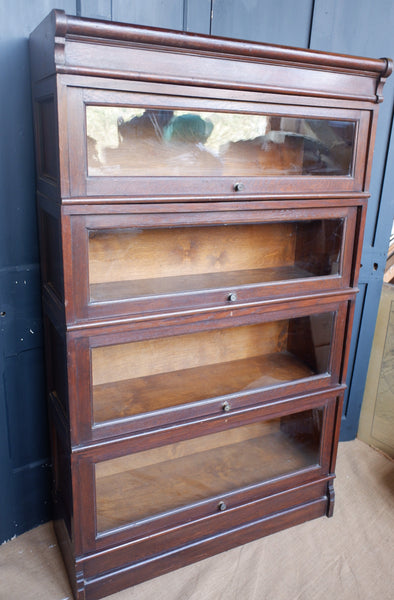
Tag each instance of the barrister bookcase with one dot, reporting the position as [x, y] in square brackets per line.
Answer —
[201, 208]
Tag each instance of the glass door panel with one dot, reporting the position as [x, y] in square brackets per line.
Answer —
[141, 262]
[144, 376]
[156, 481]
[126, 141]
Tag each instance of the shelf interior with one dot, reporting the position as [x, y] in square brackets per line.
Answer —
[145, 394]
[159, 480]
[136, 262]
[144, 376]
[161, 286]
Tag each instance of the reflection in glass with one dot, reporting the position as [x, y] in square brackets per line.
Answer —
[151, 142]
[137, 263]
[155, 374]
[156, 481]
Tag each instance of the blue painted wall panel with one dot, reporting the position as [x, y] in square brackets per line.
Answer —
[156, 13]
[24, 468]
[95, 9]
[271, 21]
[385, 213]
[365, 28]
[197, 16]
[23, 381]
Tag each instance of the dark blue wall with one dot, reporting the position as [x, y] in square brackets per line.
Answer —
[363, 27]
[24, 463]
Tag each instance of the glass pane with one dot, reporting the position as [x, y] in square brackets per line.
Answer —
[125, 141]
[144, 376]
[159, 480]
[137, 263]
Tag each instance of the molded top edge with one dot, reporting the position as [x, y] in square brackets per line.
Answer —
[66, 25]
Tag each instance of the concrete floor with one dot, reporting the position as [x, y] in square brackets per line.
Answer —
[348, 557]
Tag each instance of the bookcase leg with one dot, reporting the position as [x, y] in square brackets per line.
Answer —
[331, 499]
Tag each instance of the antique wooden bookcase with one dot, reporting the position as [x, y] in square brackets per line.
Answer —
[201, 208]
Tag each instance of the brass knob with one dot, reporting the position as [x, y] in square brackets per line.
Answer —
[239, 186]
[225, 406]
[232, 297]
[222, 506]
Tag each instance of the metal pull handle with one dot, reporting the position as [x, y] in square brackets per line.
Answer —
[239, 186]
[232, 297]
[222, 506]
[225, 406]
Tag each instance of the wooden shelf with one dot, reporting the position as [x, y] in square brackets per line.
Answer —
[122, 290]
[176, 482]
[122, 399]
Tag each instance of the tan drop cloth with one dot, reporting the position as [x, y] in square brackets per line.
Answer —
[348, 557]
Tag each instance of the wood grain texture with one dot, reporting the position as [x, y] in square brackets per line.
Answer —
[136, 254]
[178, 352]
[116, 31]
[191, 475]
[132, 263]
[152, 287]
[123, 399]
[322, 234]
[185, 448]
[236, 73]
[213, 522]
[229, 538]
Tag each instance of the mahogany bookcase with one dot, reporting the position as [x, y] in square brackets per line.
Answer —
[201, 208]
